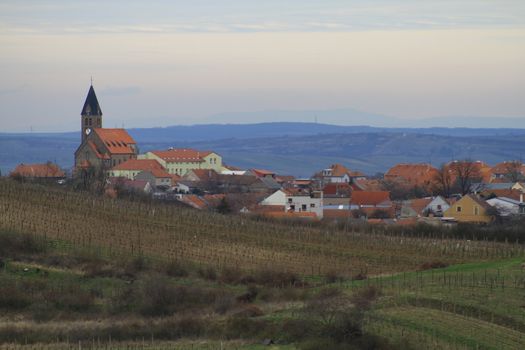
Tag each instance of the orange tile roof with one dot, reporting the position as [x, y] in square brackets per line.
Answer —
[99, 155]
[205, 174]
[262, 172]
[367, 185]
[339, 170]
[139, 164]
[419, 204]
[38, 170]
[333, 188]
[369, 197]
[509, 193]
[194, 201]
[413, 174]
[295, 214]
[182, 155]
[159, 173]
[117, 141]
[336, 213]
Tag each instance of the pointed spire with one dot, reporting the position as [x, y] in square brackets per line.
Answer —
[91, 106]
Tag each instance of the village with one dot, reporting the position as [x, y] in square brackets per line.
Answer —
[109, 159]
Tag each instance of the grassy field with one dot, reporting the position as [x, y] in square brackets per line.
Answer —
[96, 249]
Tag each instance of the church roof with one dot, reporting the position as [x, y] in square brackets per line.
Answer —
[117, 141]
[91, 106]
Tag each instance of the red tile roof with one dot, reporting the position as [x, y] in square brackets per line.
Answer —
[205, 174]
[419, 204]
[336, 213]
[117, 141]
[182, 155]
[369, 197]
[332, 189]
[46, 170]
[139, 165]
[339, 170]
[263, 172]
[160, 173]
[412, 174]
[509, 193]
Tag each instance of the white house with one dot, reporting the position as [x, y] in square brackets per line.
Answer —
[296, 201]
[438, 205]
[508, 206]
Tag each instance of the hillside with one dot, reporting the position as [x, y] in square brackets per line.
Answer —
[93, 271]
[291, 148]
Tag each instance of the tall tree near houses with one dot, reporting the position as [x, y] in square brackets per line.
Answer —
[443, 181]
[513, 170]
[465, 173]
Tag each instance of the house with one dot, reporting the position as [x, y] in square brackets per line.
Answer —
[422, 207]
[413, 175]
[45, 171]
[372, 203]
[262, 173]
[132, 167]
[508, 206]
[122, 183]
[470, 208]
[508, 170]
[100, 147]
[180, 160]
[336, 173]
[296, 201]
[201, 175]
[336, 195]
[158, 178]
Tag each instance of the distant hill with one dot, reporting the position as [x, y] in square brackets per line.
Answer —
[291, 148]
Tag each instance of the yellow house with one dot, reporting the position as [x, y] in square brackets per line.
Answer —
[470, 208]
[178, 161]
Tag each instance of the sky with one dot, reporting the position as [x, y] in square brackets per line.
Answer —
[160, 63]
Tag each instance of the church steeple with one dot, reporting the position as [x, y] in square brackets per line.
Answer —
[91, 114]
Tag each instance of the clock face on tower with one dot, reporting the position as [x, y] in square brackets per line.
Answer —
[87, 131]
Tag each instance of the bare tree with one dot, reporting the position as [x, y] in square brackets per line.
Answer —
[443, 181]
[513, 170]
[465, 173]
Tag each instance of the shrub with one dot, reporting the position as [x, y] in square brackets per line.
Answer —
[223, 303]
[429, 265]
[208, 273]
[333, 277]
[230, 275]
[249, 311]
[176, 269]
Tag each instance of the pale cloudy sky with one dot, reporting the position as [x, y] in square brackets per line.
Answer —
[158, 63]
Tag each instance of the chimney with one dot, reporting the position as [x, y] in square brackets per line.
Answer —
[521, 198]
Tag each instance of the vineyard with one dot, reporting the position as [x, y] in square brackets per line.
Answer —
[173, 233]
[435, 292]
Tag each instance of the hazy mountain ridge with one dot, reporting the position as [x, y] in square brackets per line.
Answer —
[292, 148]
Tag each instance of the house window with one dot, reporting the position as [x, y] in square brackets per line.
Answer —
[312, 205]
[476, 210]
[439, 207]
[289, 200]
[303, 207]
[458, 209]
[292, 207]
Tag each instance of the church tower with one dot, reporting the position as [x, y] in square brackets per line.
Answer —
[91, 114]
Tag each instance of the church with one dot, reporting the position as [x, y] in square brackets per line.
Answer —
[101, 147]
